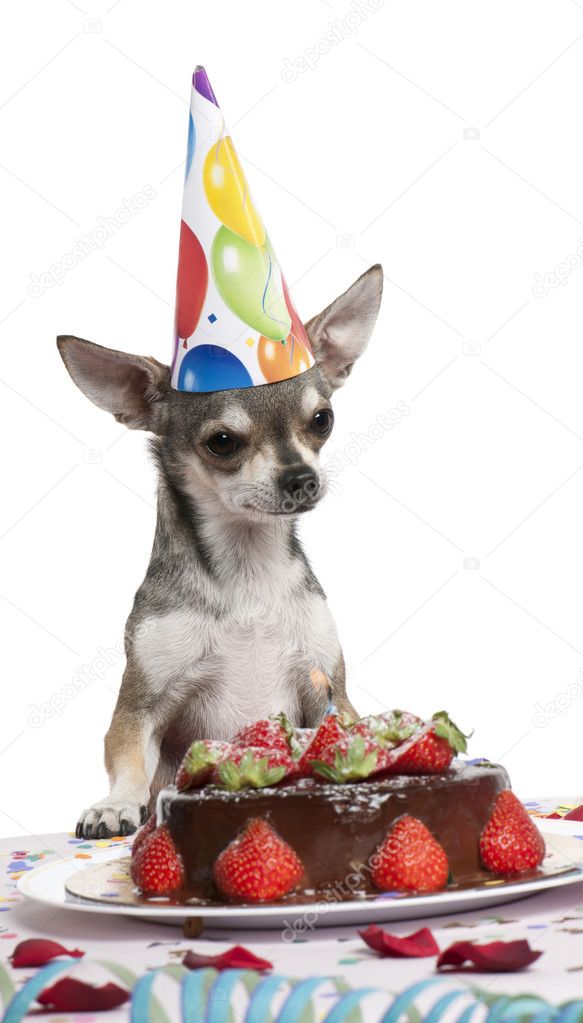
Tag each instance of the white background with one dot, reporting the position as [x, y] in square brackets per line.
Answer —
[442, 140]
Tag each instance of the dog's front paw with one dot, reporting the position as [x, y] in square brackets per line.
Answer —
[111, 817]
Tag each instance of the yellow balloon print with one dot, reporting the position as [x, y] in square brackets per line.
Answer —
[227, 192]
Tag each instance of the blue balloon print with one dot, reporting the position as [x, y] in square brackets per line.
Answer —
[191, 144]
[212, 368]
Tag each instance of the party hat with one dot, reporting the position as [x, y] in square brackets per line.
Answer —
[236, 325]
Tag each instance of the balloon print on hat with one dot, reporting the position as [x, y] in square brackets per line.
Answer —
[227, 192]
[297, 328]
[191, 283]
[190, 145]
[279, 361]
[212, 368]
[249, 282]
[239, 328]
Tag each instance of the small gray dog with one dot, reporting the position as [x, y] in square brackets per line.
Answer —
[230, 623]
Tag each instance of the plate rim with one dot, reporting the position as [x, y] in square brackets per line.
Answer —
[238, 914]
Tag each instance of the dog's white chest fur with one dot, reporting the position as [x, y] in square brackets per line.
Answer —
[239, 665]
[257, 659]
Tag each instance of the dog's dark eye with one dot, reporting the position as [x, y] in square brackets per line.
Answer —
[322, 422]
[221, 444]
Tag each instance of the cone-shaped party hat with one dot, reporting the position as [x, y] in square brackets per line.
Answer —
[236, 325]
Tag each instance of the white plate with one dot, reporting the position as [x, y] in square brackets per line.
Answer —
[46, 884]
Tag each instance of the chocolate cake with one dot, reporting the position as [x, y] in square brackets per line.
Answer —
[335, 828]
[345, 811]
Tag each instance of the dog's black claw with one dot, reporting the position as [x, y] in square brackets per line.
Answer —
[79, 830]
[126, 827]
[144, 814]
[102, 830]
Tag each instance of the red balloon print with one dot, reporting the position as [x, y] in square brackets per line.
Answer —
[191, 284]
[297, 327]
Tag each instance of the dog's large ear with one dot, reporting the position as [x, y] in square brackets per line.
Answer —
[341, 332]
[129, 386]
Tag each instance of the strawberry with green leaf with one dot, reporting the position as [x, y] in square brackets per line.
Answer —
[352, 758]
[431, 749]
[445, 728]
[253, 768]
[198, 764]
[390, 728]
[268, 733]
[328, 732]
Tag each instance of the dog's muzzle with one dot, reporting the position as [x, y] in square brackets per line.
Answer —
[300, 489]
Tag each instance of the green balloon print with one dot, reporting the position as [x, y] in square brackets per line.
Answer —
[249, 282]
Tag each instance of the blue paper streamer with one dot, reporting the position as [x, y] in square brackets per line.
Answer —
[22, 1000]
[299, 998]
[192, 993]
[207, 995]
[260, 1002]
[440, 1008]
[340, 1012]
[468, 1013]
[403, 1001]
[142, 998]
[571, 1012]
[545, 1015]
[219, 996]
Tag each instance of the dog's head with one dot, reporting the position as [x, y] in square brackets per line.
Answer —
[255, 450]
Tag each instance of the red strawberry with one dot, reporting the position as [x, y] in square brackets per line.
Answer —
[367, 727]
[157, 867]
[352, 758]
[143, 833]
[425, 753]
[510, 842]
[329, 732]
[197, 766]
[258, 866]
[431, 749]
[390, 728]
[253, 768]
[269, 733]
[410, 859]
[397, 725]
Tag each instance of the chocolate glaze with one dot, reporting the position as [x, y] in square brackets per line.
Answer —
[335, 829]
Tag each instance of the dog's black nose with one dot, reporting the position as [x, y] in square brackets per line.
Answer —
[299, 486]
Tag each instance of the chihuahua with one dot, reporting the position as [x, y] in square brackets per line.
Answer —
[230, 624]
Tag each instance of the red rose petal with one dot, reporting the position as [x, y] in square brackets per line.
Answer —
[574, 815]
[496, 957]
[70, 995]
[40, 951]
[235, 958]
[418, 945]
